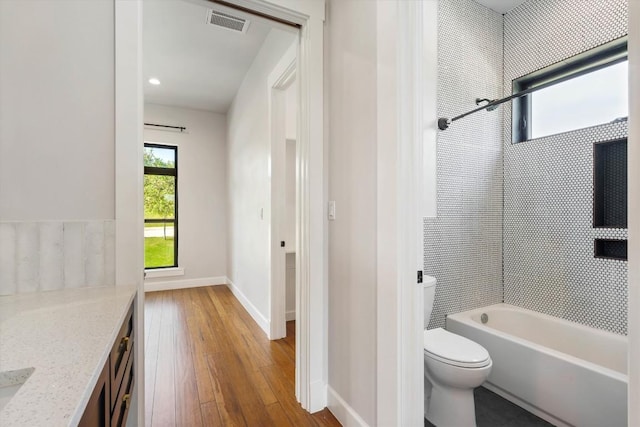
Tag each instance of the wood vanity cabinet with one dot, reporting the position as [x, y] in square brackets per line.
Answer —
[110, 400]
[97, 412]
[121, 369]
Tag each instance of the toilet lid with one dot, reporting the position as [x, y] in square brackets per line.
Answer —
[454, 349]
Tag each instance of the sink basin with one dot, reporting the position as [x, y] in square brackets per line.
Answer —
[10, 383]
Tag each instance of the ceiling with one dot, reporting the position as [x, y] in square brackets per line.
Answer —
[202, 66]
[501, 6]
[199, 65]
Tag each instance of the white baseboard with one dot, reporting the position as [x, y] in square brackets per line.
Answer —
[253, 311]
[290, 315]
[342, 411]
[184, 283]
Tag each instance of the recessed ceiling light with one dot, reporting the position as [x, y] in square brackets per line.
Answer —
[154, 81]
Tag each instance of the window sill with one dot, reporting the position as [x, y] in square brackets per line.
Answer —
[163, 272]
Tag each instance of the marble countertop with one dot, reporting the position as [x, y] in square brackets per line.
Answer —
[66, 337]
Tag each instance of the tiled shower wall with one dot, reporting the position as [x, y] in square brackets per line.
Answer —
[548, 238]
[50, 255]
[463, 245]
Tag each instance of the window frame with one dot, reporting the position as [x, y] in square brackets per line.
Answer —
[151, 170]
[592, 60]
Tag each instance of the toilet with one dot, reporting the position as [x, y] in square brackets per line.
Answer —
[453, 367]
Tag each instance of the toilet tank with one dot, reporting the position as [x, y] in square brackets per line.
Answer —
[428, 292]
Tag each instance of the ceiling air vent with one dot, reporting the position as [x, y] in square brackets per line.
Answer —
[229, 22]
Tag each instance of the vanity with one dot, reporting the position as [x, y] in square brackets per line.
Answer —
[67, 357]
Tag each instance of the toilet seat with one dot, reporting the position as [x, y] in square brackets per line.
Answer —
[455, 350]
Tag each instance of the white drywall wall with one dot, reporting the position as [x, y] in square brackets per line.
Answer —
[202, 187]
[353, 186]
[291, 117]
[290, 195]
[291, 105]
[290, 280]
[249, 185]
[290, 231]
[57, 110]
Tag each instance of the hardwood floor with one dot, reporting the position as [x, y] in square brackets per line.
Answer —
[209, 364]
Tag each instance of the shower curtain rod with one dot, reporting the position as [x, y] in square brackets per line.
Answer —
[443, 122]
[180, 128]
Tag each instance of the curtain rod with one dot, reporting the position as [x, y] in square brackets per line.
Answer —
[180, 128]
[443, 122]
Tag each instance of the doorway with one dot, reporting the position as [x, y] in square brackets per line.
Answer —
[311, 316]
[310, 375]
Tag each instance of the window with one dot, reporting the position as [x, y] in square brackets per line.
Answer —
[160, 206]
[587, 90]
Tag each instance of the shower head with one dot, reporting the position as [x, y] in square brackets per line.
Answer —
[489, 102]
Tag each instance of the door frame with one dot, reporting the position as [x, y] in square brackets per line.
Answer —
[129, 143]
[407, 115]
[311, 269]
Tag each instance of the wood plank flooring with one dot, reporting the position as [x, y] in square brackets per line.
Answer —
[209, 364]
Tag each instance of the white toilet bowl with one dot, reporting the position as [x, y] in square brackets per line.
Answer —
[453, 367]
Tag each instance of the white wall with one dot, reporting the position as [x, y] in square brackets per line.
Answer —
[202, 188]
[290, 195]
[290, 280]
[249, 185]
[57, 152]
[352, 184]
[57, 110]
[291, 105]
[291, 117]
[290, 218]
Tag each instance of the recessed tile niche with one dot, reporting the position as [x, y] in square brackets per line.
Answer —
[610, 249]
[610, 184]
[610, 195]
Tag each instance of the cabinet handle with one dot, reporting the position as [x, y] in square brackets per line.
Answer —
[124, 343]
[126, 399]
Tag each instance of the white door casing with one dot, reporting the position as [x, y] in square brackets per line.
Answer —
[128, 172]
[407, 82]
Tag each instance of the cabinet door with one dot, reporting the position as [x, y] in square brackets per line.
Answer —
[120, 354]
[98, 410]
[123, 400]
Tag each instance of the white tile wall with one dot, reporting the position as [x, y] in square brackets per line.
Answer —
[49, 255]
[545, 262]
[51, 250]
[463, 244]
[8, 279]
[548, 192]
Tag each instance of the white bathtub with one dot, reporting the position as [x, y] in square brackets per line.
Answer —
[564, 372]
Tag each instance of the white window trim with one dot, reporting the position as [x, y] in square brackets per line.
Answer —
[155, 273]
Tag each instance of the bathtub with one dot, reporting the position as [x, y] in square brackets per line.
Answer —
[564, 372]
